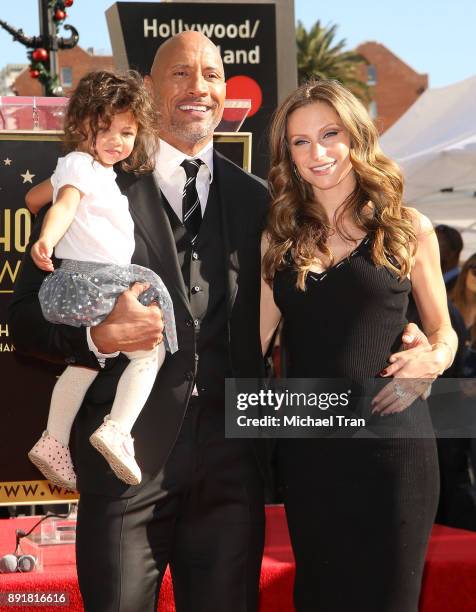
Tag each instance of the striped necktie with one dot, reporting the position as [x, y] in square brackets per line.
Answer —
[191, 211]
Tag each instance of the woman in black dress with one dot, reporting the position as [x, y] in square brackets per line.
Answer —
[340, 257]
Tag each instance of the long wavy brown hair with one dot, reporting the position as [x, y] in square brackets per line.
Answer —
[97, 98]
[298, 227]
[458, 295]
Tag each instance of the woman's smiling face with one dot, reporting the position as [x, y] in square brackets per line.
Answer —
[319, 146]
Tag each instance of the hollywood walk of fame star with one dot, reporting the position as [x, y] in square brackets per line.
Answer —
[27, 177]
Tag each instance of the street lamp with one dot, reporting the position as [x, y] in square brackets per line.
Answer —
[43, 53]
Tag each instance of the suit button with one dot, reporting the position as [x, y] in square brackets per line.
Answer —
[189, 376]
[189, 322]
[196, 289]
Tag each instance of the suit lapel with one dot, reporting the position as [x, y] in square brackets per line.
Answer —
[148, 212]
[229, 195]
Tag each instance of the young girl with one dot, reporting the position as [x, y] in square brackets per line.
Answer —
[109, 121]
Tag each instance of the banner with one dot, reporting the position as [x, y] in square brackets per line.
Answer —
[25, 160]
[26, 383]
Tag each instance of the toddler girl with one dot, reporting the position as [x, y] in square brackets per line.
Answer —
[110, 120]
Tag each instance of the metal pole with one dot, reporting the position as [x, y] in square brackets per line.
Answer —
[48, 32]
[53, 46]
[44, 28]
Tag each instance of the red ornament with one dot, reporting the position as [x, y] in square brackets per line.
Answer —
[59, 15]
[34, 73]
[40, 55]
[68, 3]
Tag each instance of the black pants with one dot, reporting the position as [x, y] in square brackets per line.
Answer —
[203, 514]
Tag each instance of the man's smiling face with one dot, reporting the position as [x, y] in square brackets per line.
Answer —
[188, 82]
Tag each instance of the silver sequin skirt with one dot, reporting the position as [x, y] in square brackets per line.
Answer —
[81, 293]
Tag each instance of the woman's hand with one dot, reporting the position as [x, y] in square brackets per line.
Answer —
[41, 253]
[398, 395]
[413, 370]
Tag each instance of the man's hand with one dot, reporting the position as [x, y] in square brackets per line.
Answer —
[414, 344]
[413, 337]
[130, 326]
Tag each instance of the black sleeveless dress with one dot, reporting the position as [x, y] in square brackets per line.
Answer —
[360, 510]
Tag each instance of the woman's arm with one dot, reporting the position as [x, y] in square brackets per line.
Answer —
[270, 314]
[429, 292]
[38, 196]
[57, 220]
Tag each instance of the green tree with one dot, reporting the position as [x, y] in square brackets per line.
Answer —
[320, 56]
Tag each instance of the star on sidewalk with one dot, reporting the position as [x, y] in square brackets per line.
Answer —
[27, 177]
[7, 161]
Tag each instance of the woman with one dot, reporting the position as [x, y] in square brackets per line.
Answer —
[464, 298]
[340, 256]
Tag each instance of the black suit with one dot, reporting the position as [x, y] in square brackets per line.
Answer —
[199, 505]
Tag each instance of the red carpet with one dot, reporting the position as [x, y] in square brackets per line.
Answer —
[449, 583]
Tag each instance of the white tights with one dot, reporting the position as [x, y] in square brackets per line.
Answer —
[133, 389]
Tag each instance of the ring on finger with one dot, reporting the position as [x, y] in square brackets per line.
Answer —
[400, 392]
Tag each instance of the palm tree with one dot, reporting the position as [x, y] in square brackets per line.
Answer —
[319, 56]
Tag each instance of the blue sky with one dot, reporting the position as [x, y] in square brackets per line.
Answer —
[433, 36]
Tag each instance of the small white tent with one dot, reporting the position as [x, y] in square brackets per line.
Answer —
[434, 142]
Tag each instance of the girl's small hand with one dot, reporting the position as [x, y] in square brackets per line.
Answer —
[41, 253]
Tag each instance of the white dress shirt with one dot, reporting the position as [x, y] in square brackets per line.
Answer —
[171, 179]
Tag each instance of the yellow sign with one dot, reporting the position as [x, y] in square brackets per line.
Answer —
[33, 491]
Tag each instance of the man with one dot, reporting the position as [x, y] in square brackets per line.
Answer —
[200, 504]
[451, 245]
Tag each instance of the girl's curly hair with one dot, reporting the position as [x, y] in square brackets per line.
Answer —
[97, 98]
[298, 225]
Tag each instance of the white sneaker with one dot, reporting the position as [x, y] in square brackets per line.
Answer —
[117, 447]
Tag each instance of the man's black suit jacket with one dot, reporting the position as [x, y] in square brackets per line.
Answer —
[244, 205]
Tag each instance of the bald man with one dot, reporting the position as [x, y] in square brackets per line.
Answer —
[199, 507]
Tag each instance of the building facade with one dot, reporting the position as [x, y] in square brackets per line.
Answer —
[394, 85]
[8, 74]
[72, 65]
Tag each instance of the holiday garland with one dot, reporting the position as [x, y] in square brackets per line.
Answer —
[39, 57]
